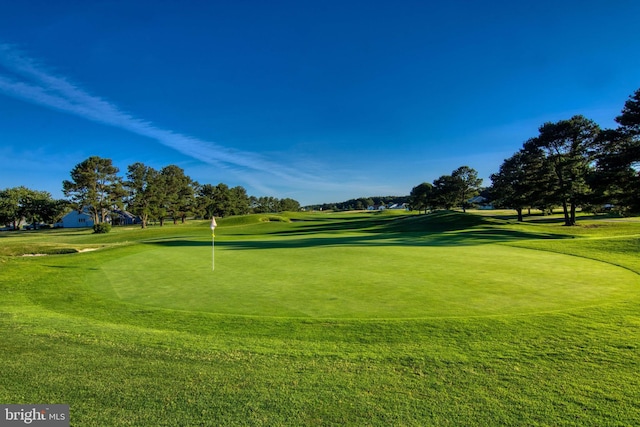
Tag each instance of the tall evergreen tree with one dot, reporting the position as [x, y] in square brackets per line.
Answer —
[467, 185]
[143, 184]
[568, 148]
[95, 186]
[623, 153]
[177, 194]
[509, 185]
[445, 192]
[421, 197]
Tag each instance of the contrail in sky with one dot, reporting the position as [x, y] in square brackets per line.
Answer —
[23, 78]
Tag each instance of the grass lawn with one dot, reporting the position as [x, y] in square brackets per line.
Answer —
[327, 319]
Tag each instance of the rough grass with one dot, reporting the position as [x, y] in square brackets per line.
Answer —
[67, 337]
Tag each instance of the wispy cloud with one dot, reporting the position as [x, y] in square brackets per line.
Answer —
[24, 78]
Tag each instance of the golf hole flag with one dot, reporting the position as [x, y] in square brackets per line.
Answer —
[214, 224]
[213, 235]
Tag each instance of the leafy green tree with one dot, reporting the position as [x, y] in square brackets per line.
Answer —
[629, 121]
[467, 185]
[540, 183]
[510, 187]
[21, 203]
[421, 197]
[11, 209]
[144, 187]
[239, 201]
[40, 207]
[95, 186]
[289, 205]
[253, 204]
[177, 194]
[206, 201]
[618, 161]
[221, 201]
[568, 148]
[446, 192]
[265, 204]
[525, 180]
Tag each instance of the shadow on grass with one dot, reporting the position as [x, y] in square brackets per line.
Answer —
[74, 267]
[437, 229]
[373, 238]
[431, 223]
[559, 219]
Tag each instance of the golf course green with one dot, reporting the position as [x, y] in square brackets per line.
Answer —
[327, 319]
[381, 280]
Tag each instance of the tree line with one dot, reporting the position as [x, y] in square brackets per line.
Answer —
[570, 164]
[152, 195]
[33, 206]
[448, 191]
[574, 164]
[360, 203]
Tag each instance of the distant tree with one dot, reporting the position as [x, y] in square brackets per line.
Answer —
[467, 185]
[265, 204]
[188, 203]
[11, 208]
[567, 146]
[94, 186]
[289, 205]
[143, 185]
[33, 206]
[221, 201]
[177, 193]
[206, 202]
[421, 197]
[253, 204]
[40, 207]
[510, 188]
[446, 192]
[618, 159]
[239, 201]
[540, 181]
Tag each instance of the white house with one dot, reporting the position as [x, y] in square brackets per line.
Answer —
[399, 206]
[376, 208]
[75, 219]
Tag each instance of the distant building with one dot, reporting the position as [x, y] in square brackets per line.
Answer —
[82, 219]
[402, 206]
[123, 218]
[481, 202]
[376, 208]
[76, 219]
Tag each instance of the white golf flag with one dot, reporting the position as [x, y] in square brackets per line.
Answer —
[213, 235]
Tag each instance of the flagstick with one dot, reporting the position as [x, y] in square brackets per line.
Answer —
[213, 240]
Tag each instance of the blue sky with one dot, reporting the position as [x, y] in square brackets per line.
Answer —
[320, 101]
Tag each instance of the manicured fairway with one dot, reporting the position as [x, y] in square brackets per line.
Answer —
[327, 319]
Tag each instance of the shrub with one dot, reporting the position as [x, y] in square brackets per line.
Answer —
[101, 228]
[274, 218]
